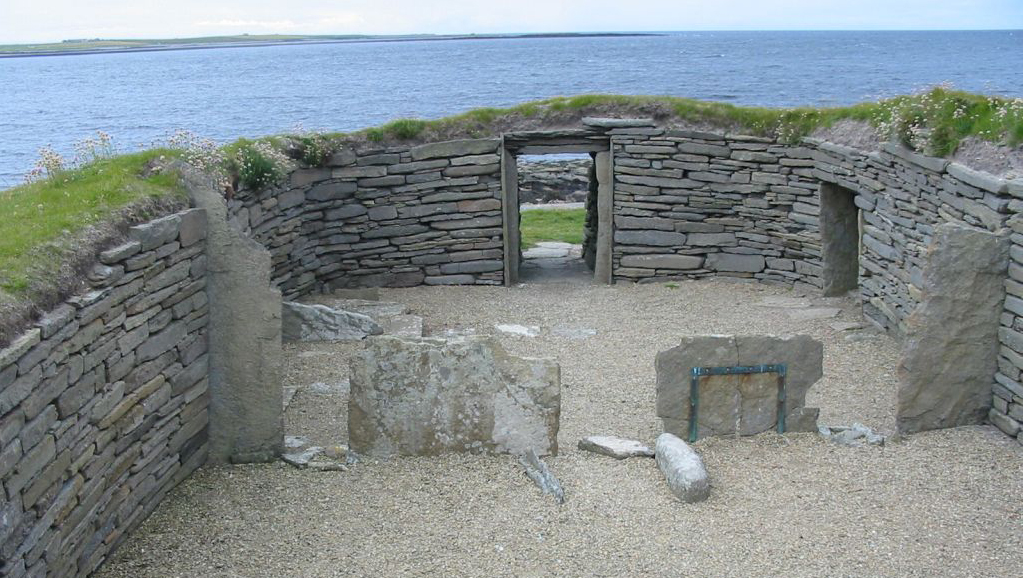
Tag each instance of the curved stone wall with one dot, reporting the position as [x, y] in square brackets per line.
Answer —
[103, 404]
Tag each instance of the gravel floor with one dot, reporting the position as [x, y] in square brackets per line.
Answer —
[946, 503]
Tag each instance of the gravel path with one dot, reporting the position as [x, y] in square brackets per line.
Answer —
[946, 503]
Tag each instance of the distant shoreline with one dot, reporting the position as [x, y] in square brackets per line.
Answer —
[313, 40]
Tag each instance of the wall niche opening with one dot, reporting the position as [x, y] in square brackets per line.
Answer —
[841, 237]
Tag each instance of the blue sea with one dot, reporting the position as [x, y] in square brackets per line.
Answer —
[226, 93]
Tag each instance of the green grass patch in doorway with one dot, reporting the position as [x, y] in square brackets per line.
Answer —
[563, 225]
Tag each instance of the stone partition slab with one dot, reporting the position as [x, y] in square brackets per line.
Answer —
[103, 404]
[951, 351]
[738, 404]
[414, 397]
[246, 356]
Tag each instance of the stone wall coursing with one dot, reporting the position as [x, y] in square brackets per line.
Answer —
[903, 195]
[404, 216]
[103, 404]
[546, 181]
[692, 205]
[1007, 400]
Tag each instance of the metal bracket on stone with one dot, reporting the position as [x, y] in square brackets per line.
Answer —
[694, 390]
[542, 476]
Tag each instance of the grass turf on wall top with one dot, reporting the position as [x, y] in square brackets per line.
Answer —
[51, 228]
[40, 222]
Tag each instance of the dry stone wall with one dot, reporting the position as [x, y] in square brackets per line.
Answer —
[103, 404]
[689, 204]
[1007, 403]
[397, 217]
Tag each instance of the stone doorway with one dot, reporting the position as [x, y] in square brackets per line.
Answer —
[841, 236]
[553, 262]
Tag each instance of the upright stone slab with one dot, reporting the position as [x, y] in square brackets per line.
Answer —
[951, 352]
[415, 397]
[738, 404]
[246, 417]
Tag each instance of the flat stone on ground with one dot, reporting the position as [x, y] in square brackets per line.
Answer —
[301, 322]
[616, 447]
[518, 330]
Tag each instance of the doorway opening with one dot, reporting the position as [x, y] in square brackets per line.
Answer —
[841, 236]
[556, 195]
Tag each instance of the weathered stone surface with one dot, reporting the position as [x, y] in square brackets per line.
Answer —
[245, 355]
[598, 122]
[454, 148]
[157, 232]
[616, 447]
[659, 261]
[735, 263]
[951, 351]
[301, 322]
[541, 475]
[432, 396]
[682, 468]
[743, 404]
[654, 238]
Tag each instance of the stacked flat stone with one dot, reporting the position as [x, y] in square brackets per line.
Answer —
[692, 205]
[903, 195]
[1007, 402]
[396, 217]
[103, 404]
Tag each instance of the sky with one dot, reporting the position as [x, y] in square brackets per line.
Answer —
[24, 21]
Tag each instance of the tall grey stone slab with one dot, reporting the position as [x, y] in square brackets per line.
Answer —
[245, 355]
[840, 240]
[738, 404]
[951, 352]
[434, 396]
[510, 213]
[602, 271]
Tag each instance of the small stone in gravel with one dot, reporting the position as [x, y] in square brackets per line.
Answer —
[296, 442]
[853, 436]
[518, 330]
[815, 313]
[682, 468]
[541, 475]
[616, 447]
[289, 395]
[301, 459]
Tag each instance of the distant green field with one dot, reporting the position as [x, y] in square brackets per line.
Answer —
[127, 43]
[565, 226]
